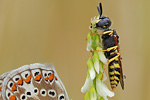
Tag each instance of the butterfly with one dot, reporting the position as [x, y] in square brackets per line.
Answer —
[32, 82]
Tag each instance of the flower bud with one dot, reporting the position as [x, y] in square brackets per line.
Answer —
[93, 93]
[89, 41]
[88, 83]
[102, 89]
[96, 62]
[101, 55]
[97, 40]
[90, 67]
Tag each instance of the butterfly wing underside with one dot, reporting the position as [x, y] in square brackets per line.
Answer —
[2, 77]
[34, 82]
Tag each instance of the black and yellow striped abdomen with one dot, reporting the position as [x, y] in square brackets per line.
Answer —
[110, 41]
[114, 73]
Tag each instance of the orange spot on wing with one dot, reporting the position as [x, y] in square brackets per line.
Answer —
[55, 77]
[20, 82]
[12, 97]
[14, 88]
[46, 78]
[27, 80]
[51, 77]
[38, 77]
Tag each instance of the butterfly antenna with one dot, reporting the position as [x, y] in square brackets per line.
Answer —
[99, 8]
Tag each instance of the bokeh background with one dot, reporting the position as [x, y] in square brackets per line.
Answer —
[54, 31]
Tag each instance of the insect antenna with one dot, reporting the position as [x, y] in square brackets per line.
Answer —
[99, 8]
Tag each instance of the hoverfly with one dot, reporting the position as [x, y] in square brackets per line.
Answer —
[110, 43]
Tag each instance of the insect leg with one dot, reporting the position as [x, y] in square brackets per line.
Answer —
[97, 50]
[104, 70]
[110, 32]
[116, 57]
[110, 60]
[115, 47]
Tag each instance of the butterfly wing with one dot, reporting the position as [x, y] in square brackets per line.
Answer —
[1, 83]
[34, 82]
[60, 84]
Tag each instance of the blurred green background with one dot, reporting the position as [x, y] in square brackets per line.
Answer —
[54, 31]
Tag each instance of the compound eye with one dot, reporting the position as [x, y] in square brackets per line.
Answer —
[98, 25]
[104, 23]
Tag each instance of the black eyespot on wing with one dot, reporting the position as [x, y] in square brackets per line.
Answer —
[61, 97]
[9, 94]
[29, 93]
[45, 74]
[16, 79]
[49, 74]
[11, 84]
[52, 93]
[23, 97]
[43, 92]
[26, 75]
[35, 91]
[36, 73]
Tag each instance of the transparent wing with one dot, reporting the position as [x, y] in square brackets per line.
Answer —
[121, 71]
